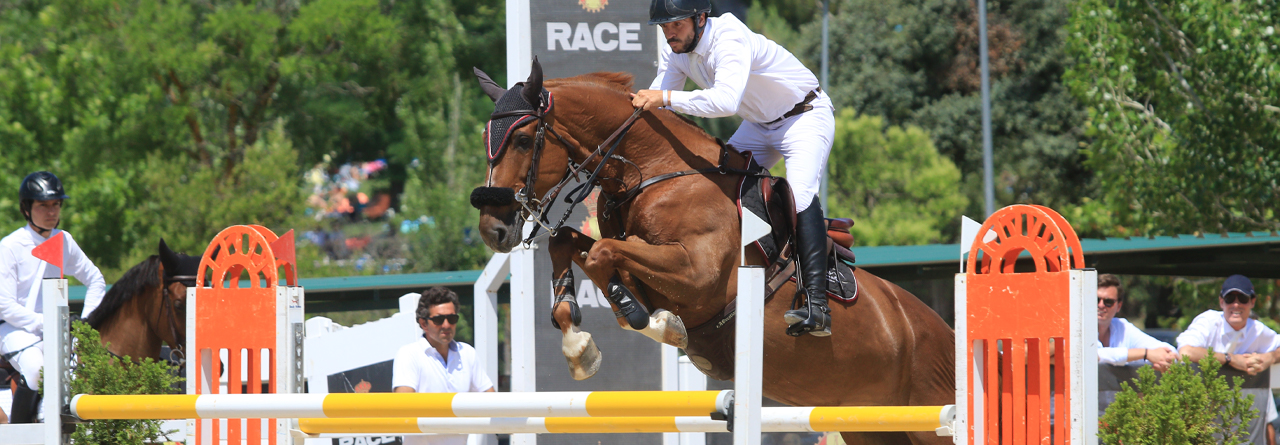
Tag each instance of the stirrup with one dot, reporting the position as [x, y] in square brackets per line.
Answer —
[803, 321]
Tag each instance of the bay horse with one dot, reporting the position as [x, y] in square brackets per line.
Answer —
[147, 306]
[675, 244]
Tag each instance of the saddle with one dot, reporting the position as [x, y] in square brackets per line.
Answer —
[770, 198]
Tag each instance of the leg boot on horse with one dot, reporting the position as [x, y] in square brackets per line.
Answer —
[811, 240]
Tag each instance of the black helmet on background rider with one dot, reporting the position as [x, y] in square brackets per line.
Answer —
[664, 11]
[39, 186]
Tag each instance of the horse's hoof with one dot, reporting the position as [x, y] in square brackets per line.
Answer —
[582, 354]
[675, 334]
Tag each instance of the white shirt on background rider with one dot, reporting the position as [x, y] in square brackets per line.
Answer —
[24, 319]
[1124, 336]
[740, 72]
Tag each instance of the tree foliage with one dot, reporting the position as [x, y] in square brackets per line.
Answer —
[892, 181]
[1182, 111]
[175, 119]
[915, 62]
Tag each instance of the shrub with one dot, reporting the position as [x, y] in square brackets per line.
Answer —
[99, 372]
[1183, 406]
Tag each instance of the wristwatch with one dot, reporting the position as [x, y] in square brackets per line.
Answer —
[1228, 356]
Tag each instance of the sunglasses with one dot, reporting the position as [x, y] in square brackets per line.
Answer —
[439, 319]
[1233, 297]
[1108, 302]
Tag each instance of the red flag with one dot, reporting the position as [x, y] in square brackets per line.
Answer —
[51, 252]
[283, 249]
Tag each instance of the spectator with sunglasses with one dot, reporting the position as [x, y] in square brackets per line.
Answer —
[1237, 340]
[437, 362]
[1122, 342]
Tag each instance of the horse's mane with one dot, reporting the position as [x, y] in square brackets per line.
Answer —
[621, 82]
[145, 275]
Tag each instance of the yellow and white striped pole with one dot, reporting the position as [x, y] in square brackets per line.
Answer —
[484, 404]
[785, 419]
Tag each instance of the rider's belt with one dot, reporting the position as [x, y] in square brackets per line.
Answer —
[800, 108]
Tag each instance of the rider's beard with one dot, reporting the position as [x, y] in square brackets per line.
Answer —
[686, 45]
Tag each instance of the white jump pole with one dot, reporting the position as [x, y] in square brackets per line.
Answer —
[57, 358]
[748, 360]
[523, 310]
[486, 312]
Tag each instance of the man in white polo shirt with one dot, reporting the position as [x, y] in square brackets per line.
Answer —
[1238, 341]
[436, 362]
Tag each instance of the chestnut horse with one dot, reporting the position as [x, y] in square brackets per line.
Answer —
[147, 306]
[674, 243]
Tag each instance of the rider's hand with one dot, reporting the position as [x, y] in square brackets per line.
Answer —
[647, 99]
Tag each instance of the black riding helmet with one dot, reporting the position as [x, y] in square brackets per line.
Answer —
[666, 11]
[39, 186]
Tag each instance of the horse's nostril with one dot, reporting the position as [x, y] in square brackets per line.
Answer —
[500, 234]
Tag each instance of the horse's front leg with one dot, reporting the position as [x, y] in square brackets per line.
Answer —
[577, 345]
[668, 269]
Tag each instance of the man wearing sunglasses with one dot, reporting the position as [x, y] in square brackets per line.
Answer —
[1122, 342]
[437, 362]
[1237, 340]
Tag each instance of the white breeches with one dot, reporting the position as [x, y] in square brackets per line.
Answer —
[28, 363]
[805, 142]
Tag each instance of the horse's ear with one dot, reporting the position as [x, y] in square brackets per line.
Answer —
[488, 85]
[533, 87]
[168, 258]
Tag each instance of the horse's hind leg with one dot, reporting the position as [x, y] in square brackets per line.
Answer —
[577, 345]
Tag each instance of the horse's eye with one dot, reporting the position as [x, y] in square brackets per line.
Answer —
[524, 142]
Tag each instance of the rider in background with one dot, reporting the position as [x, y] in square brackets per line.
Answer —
[785, 115]
[21, 275]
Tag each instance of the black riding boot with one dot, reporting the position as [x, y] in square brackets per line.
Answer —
[26, 403]
[811, 241]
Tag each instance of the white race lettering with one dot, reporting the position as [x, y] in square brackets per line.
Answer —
[558, 32]
[604, 36]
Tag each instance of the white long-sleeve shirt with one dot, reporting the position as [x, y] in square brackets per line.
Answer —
[18, 270]
[1123, 336]
[740, 72]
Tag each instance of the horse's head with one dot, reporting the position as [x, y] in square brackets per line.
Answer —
[178, 272]
[522, 168]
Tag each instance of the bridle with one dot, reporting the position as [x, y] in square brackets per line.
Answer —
[535, 210]
[177, 353]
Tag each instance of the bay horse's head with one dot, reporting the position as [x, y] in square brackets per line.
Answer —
[147, 305]
[521, 170]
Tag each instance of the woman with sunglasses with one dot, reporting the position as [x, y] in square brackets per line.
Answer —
[437, 362]
[1122, 342]
[1237, 340]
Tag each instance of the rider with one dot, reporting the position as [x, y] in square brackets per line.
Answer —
[21, 274]
[785, 115]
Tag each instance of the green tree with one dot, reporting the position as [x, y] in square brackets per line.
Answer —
[892, 181]
[1182, 111]
[915, 62]
[151, 110]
